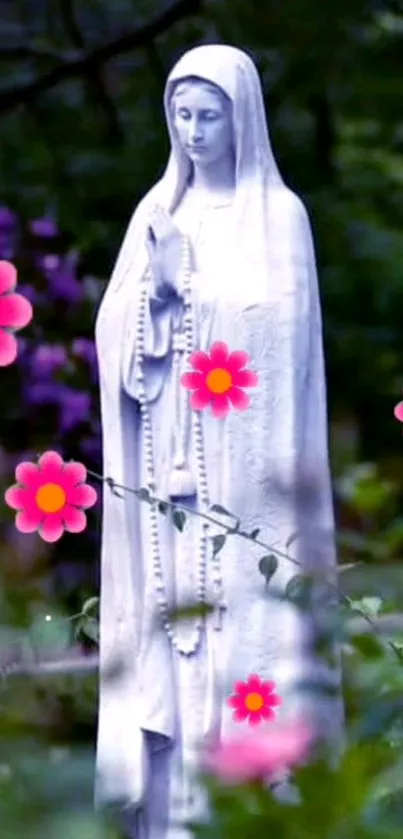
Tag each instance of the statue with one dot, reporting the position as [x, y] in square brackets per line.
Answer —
[219, 250]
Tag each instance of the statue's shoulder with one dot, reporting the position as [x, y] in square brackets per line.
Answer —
[288, 204]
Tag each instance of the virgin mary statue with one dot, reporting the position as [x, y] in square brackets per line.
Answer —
[218, 258]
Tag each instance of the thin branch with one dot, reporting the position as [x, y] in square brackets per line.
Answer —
[79, 665]
[18, 52]
[79, 66]
[96, 82]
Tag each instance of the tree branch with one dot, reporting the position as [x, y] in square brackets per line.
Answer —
[95, 79]
[84, 63]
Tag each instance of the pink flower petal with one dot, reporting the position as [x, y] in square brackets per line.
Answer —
[239, 399]
[52, 527]
[51, 467]
[242, 688]
[18, 497]
[245, 378]
[255, 717]
[398, 412]
[8, 276]
[200, 399]
[237, 361]
[240, 714]
[220, 404]
[76, 473]
[82, 496]
[28, 474]
[268, 687]
[267, 713]
[273, 701]
[254, 683]
[235, 701]
[201, 361]
[75, 521]
[192, 381]
[219, 354]
[15, 311]
[28, 522]
[8, 348]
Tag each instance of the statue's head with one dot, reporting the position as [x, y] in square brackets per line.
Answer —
[202, 118]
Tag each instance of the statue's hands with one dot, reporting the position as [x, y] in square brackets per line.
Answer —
[165, 248]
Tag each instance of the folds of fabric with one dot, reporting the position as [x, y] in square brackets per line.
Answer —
[263, 466]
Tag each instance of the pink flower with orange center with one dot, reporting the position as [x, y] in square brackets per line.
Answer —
[219, 379]
[15, 313]
[254, 701]
[49, 496]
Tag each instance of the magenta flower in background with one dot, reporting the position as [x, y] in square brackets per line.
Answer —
[259, 756]
[15, 313]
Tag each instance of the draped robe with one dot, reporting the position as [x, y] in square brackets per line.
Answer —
[268, 466]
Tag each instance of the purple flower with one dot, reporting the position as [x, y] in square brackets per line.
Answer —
[84, 349]
[75, 408]
[42, 393]
[45, 228]
[91, 448]
[29, 292]
[61, 276]
[9, 233]
[47, 360]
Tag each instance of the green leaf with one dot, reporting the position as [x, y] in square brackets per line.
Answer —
[163, 507]
[217, 508]
[268, 566]
[291, 539]
[299, 589]
[90, 628]
[143, 494]
[255, 533]
[370, 606]
[179, 519]
[218, 543]
[234, 529]
[368, 645]
[198, 610]
[89, 605]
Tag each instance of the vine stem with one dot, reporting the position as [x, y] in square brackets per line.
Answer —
[140, 493]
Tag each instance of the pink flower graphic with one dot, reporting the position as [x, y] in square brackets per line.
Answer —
[254, 701]
[48, 497]
[219, 379]
[259, 756]
[398, 412]
[15, 313]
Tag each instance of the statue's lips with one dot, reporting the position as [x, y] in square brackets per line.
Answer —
[196, 148]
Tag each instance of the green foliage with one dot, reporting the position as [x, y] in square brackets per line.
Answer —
[85, 150]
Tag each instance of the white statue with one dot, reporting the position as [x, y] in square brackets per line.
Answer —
[250, 283]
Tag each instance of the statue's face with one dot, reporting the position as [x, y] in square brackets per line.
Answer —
[203, 122]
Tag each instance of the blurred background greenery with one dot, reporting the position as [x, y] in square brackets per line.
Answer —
[82, 138]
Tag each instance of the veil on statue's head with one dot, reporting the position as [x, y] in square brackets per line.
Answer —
[235, 74]
[257, 174]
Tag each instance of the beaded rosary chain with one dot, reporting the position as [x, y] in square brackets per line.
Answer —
[188, 326]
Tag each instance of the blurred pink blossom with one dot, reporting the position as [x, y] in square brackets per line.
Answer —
[258, 756]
